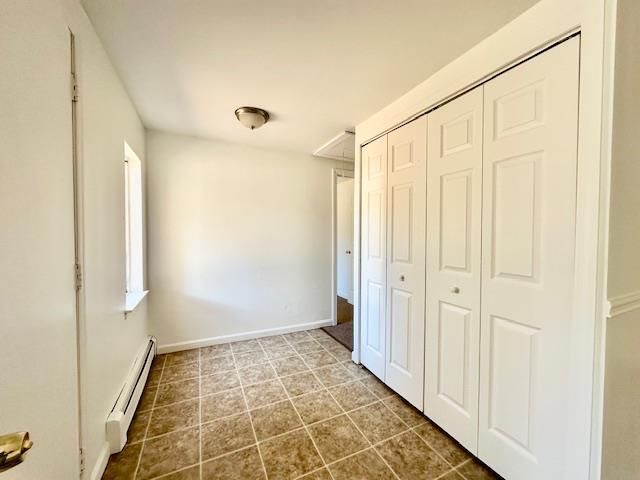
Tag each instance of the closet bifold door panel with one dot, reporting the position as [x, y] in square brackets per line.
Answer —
[374, 256]
[454, 204]
[528, 252]
[407, 152]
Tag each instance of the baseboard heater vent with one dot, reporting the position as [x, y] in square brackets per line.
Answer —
[120, 417]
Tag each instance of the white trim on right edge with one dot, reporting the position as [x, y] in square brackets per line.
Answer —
[623, 304]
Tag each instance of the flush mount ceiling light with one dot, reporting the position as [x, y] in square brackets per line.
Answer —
[252, 117]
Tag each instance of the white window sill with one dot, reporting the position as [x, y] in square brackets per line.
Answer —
[133, 299]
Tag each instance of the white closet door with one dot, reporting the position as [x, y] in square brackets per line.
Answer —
[374, 256]
[454, 203]
[407, 152]
[529, 208]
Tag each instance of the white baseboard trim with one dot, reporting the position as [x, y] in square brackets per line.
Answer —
[101, 463]
[235, 337]
[623, 304]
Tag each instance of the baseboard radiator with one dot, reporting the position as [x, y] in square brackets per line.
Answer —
[120, 417]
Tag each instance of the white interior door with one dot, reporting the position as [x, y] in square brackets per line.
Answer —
[529, 205]
[407, 154]
[454, 203]
[38, 349]
[374, 256]
[344, 241]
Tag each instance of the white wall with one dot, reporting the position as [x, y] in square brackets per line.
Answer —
[38, 383]
[621, 440]
[37, 255]
[240, 238]
[344, 240]
[109, 340]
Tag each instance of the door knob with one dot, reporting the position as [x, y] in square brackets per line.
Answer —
[402, 278]
[454, 290]
[12, 448]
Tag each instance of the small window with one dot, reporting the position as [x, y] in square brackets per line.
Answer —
[133, 229]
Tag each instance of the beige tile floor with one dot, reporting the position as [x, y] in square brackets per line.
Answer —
[282, 407]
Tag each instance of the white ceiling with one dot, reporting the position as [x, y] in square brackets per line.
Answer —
[318, 66]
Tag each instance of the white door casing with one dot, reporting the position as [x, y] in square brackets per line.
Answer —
[528, 245]
[374, 256]
[344, 241]
[406, 199]
[454, 203]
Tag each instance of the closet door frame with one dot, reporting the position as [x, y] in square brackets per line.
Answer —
[532, 32]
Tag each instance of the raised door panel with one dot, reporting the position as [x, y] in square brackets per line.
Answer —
[404, 371]
[374, 256]
[528, 244]
[454, 202]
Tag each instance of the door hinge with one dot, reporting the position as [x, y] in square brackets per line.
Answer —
[81, 461]
[78, 276]
[74, 88]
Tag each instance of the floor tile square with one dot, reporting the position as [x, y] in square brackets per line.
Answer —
[333, 375]
[307, 346]
[337, 438]
[280, 351]
[329, 343]
[318, 334]
[275, 341]
[407, 412]
[296, 337]
[169, 453]
[341, 354]
[185, 356]
[441, 442]
[226, 435]
[452, 475]
[215, 350]
[250, 358]
[352, 395]
[242, 465]
[222, 404]
[316, 406]
[264, 393]
[322, 474]
[476, 470]
[290, 456]
[318, 359]
[138, 427]
[365, 465]
[148, 398]
[301, 383]
[191, 473]
[219, 382]
[411, 458]
[174, 417]
[211, 365]
[176, 373]
[377, 422]
[357, 371]
[274, 419]
[245, 346]
[289, 365]
[378, 388]
[256, 374]
[169, 393]
[122, 466]
[154, 376]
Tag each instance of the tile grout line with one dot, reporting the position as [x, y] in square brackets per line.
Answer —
[246, 404]
[290, 398]
[295, 409]
[146, 430]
